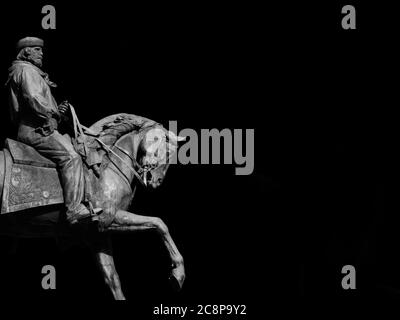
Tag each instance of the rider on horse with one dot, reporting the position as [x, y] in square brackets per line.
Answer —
[36, 114]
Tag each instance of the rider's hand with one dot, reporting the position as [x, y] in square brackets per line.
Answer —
[63, 107]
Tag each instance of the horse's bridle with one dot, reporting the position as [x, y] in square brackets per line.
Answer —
[139, 171]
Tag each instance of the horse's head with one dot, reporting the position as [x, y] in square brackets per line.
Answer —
[155, 151]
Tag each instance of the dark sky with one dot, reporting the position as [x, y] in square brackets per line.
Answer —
[319, 98]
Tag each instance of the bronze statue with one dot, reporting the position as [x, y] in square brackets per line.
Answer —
[36, 114]
[123, 146]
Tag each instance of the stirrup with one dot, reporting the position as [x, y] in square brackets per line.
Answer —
[90, 216]
[94, 212]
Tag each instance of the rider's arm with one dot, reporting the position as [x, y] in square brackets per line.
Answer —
[37, 94]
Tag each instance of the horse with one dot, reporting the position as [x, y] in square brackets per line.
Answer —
[137, 157]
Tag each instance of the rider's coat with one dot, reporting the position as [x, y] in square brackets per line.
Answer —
[32, 104]
[34, 110]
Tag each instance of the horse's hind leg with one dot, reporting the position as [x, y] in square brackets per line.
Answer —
[125, 221]
[103, 254]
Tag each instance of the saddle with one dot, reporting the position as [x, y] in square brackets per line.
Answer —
[27, 179]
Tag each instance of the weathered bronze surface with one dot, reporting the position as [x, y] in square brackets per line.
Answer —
[115, 163]
[113, 192]
[27, 186]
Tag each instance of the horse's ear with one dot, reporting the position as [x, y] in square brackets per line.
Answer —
[174, 138]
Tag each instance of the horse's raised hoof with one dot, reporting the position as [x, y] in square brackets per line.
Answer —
[177, 277]
[174, 283]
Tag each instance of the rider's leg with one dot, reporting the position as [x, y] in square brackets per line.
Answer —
[59, 149]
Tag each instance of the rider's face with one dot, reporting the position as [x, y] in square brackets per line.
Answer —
[36, 55]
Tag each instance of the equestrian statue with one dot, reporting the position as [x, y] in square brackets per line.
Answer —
[61, 179]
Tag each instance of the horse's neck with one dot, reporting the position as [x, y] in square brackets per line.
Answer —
[130, 144]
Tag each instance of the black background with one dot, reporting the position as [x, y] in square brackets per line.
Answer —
[323, 191]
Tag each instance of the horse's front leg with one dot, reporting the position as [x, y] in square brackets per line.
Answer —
[102, 251]
[125, 221]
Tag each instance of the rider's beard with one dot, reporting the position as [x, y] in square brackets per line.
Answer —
[35, 59]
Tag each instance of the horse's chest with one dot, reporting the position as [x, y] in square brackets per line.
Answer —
[114, 192]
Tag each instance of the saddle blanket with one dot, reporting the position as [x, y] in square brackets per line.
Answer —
[27, 186]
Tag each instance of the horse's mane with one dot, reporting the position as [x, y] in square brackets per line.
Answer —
[113, 127]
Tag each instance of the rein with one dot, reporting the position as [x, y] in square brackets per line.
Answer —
[135, 172]
[78, 131]
[140, 172]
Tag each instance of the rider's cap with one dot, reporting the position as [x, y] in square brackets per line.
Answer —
[29, 42]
